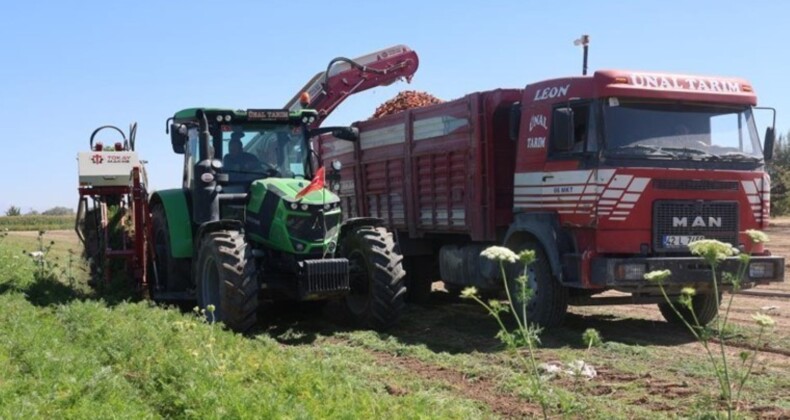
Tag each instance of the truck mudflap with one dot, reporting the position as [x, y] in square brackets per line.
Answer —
[319, 279]
[625, 273]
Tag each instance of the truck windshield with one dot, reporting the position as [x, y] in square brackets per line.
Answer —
[680, 131]
[264, 151]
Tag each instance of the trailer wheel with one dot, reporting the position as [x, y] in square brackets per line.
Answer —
[376, 277]
[172, 274]
[706, 308]
[225, 278]
[549, 303]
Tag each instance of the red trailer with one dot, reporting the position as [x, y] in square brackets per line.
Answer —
[606, 176]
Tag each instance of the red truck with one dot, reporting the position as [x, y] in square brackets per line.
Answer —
[607, 177]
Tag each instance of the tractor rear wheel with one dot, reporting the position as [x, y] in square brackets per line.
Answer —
[706, 307]
[376, 277]
[172, 274]
[225, 277]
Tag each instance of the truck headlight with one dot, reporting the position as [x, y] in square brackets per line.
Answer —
[631, 271]
[761, 270]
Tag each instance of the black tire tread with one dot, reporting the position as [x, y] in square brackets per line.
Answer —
[550, 302]
[238, 287]
[706, 307]
[387, 286]
[177, 272]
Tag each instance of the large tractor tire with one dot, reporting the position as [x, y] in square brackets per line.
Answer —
[376, 275]
[225, 277]
[705, 306]
[172, 274]
[549, 303]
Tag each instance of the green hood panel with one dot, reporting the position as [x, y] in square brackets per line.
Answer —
[298, 226]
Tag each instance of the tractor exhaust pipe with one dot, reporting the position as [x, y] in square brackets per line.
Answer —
[205, 198]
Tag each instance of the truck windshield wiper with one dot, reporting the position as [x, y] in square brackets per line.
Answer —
[646, 149]
[691, 151]
[739, 156]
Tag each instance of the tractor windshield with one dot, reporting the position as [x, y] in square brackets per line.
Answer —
[264, 151]
[680, 131]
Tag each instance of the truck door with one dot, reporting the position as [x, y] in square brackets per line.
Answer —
[569, 176]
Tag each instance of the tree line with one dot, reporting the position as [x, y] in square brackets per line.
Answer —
[54, 211]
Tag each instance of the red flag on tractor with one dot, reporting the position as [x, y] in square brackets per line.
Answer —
[316, 184]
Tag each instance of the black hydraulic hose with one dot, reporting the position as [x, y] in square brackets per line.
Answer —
[353, 64]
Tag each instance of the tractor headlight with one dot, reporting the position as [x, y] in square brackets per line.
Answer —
[219, 118]
[336, 165]
[304, 207]
[227, 118]
[294, 206]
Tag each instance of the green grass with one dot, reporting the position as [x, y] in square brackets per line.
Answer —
[19, 223]
[71, 355]
[68, 351]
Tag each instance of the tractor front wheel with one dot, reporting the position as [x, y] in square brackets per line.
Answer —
[225, 278]
[376, 277]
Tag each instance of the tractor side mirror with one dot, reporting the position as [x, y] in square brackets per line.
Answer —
[515, 121]
[768, 145]
[178, 137]
[562, 129]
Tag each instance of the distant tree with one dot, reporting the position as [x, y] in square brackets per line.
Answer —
[32, 212]
[779, 169]
[58, 211]
[13, 211]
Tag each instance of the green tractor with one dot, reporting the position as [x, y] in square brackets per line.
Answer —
[254, 220]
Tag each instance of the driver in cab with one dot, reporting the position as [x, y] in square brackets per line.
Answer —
[237, 159]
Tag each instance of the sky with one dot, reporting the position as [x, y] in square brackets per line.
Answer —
[69, 67]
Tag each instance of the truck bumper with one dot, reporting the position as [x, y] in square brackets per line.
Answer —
[627, 273]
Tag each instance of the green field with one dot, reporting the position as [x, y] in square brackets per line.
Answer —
[68, 351]
[21, 223]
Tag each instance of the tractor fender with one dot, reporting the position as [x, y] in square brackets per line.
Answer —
[543, 227]
[179, 222]
[353, 222]
[225, 224]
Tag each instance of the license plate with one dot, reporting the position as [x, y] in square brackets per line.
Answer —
[680, 240]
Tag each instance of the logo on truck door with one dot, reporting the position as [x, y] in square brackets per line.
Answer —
[538, 121]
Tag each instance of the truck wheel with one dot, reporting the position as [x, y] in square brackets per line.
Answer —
[172, 274]
[225, 278]
[376, 277]
[706, 307]
[549, 303]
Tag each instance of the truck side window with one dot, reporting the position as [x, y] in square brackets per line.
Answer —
[584, 132]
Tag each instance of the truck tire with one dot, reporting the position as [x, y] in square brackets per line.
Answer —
[376, 277]
[549, 303]
[225, 277]
[706, 308]
[172, 274]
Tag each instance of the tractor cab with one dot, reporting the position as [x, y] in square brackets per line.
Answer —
[246, 145]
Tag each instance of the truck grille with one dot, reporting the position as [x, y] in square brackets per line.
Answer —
[694, 185]
[681, 220]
